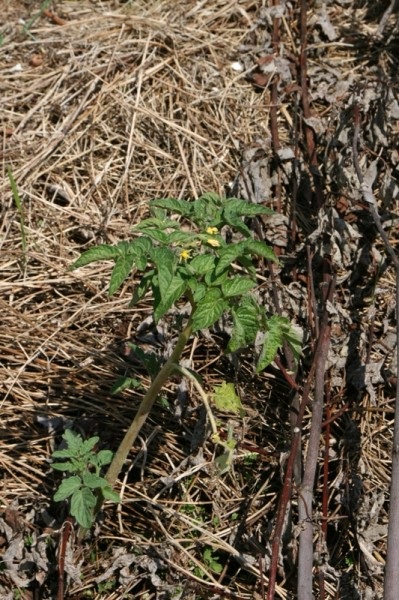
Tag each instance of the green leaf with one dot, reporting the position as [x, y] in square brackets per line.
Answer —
[142, 245]
[228, 254]
[120, 272]
[213, 280]
[93, 481]
[182, 207]
[241, 208]
[164, 260]
[209, 309]
[68, 467]
[226, 399]
[141, 289]
[294, 340]
[246, 324]
[182, 238]
[124, 383]
[102, 252]
[157, 235]
[174, 292]
[261, 249]
[237, 286]
[82, 504]
[74, 441]
[66, 453]
[206, 208]
[109, 494]
[67, 488]
[104, 457]
[151, 362]
[274, 338]
[199, 290]
[155, 224]
[89, 444]
[201, 264]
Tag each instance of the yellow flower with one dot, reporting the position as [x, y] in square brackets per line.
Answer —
[213, 243]
[212, 230]
[185, 255]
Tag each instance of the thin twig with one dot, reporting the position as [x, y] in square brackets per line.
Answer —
[305, 498]
[391, 583]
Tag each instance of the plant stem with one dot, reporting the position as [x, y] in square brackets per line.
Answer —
[146, 405]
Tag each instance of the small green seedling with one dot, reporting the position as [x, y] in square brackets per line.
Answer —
[83, 465]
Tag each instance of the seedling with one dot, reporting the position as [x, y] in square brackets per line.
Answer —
[198, 256]
[83, 465]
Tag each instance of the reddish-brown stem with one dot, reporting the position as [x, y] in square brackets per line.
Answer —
[65, 535]
[308, 131]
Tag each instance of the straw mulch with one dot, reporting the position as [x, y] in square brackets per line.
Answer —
[106, 105]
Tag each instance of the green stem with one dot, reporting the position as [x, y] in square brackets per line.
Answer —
[146, 406]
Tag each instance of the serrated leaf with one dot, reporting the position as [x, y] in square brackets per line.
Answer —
[157, 235]
[93, 481]
[121, 271]
[89, 444]
[206, 208]
[67, 467]
[182, 207]
[104, 457]
[101, 252]
[212, 198]
[237, 286]
[65, 453]
[245, 325]
[182, 237]
[261, 249]
[213, 280]
[154, 224]
[274, 338]
[201, 264]
[227, 255]
[174, 292]
[141, 289]
[124, 383]
[74, 441]
[164, 260]
[209, 309]
[242, 208]
[109, 494]
[236, 223]
[143, 245]
[199, 291]
[226, 399]
[67, 488]
[82, 504]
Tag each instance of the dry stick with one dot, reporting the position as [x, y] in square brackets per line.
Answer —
[287, 487]
[391, 583]
[309, 133]
[385, 17]
[305, 499]
[326, 469]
